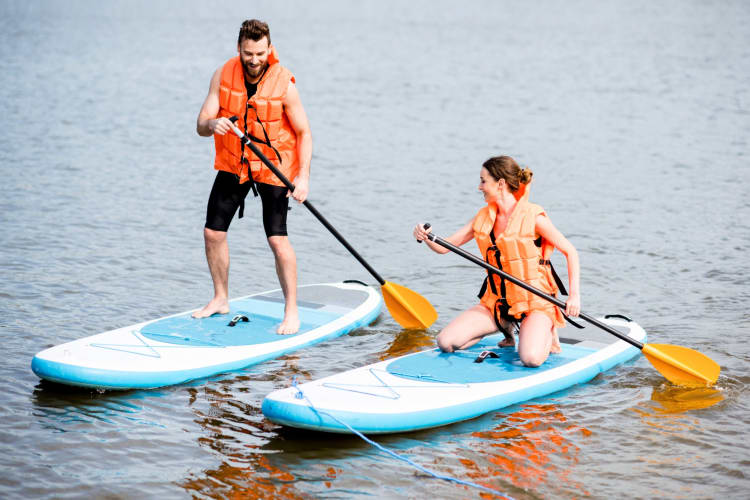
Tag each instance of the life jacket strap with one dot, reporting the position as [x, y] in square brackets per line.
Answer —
[243, 160]
[502, 312]
[558, 281]
[562, 289]
[267, 142]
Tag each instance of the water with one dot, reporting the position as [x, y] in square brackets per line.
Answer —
[634, 116]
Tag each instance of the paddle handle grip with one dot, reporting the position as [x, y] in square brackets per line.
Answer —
[246, 140]
[426, 226]
[480, 262]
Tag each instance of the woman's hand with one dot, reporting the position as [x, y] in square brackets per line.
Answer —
[420, 233]
[573, 305]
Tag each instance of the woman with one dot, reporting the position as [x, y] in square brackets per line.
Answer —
[518, 237]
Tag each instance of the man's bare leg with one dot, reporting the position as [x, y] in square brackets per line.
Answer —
[217, 255]
[286, 269]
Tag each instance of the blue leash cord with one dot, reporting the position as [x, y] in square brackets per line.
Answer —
[302, 395]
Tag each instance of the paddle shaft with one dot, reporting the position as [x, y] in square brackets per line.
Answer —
[476, 260]
[246, 140]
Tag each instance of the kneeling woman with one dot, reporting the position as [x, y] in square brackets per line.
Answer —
[518, 237]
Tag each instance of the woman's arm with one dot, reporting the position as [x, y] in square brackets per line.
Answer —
[549, 232]
[458, 238]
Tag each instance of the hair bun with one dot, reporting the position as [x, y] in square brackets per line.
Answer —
[524, 176]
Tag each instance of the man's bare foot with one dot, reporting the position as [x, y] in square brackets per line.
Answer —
[216, 306]
[555, 348]
[507, 342]
[290, 325]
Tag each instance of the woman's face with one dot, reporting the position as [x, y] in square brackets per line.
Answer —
[488, 186]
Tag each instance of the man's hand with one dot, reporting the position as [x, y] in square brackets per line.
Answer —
[301, 188]
[219, 126]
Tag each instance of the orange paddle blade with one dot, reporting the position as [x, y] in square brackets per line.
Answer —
[407, 307]
[681, 365]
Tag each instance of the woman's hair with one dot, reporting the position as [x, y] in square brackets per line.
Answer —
[254, 30]
[505, 167]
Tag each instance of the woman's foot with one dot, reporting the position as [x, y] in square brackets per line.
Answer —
[507, 342]
[555, 348]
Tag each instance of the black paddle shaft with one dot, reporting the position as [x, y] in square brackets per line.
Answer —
[249, 143]
[476, 260]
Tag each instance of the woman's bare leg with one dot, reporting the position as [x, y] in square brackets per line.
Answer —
[535, 339]
[507, 330]
[466, 329]
[555, 348]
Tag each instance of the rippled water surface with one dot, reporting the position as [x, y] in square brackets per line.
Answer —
[634, 116]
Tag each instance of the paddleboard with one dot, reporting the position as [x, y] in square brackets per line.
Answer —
[178, 348]
[432, 388]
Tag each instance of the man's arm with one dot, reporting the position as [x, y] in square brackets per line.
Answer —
[298, 119]
[208, 124]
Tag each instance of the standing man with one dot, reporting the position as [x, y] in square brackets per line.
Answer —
[259, 91]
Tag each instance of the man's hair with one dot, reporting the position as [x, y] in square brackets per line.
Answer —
[254, 30]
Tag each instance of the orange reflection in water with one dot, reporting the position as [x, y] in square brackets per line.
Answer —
[231, 428]
[530, 447]
[673, 399]
[332, 473]
[667, 412]
[260, 479]
[408, 341]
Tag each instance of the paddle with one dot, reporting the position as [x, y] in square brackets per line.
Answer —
[680, 365]
[407, 307]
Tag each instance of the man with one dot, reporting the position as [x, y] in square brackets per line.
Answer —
[259, 91]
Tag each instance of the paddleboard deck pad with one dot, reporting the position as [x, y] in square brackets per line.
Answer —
[432, 388]
[179, 348]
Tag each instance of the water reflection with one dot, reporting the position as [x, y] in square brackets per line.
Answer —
[669, 403]
[667, 413]
[673, 399]
[408, 341]
[531, 447]
[257, 479]
[233, 429]
[59, 406]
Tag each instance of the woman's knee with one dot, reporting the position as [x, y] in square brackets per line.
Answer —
[444, 344]
[533, 360]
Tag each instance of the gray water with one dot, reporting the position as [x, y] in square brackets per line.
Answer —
[633, 115]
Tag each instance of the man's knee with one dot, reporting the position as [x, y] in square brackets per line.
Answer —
[280, 246]
[214, 237]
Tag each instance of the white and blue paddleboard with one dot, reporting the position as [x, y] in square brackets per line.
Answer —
[179, 348]
[431, 388]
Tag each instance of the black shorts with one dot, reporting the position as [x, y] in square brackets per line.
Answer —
[227, 194]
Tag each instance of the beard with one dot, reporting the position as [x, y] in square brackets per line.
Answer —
[253, 72]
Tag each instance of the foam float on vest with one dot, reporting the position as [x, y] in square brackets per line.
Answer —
[261, 116]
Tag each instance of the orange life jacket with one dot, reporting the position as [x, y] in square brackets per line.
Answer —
[519, 252]
[261, 117]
